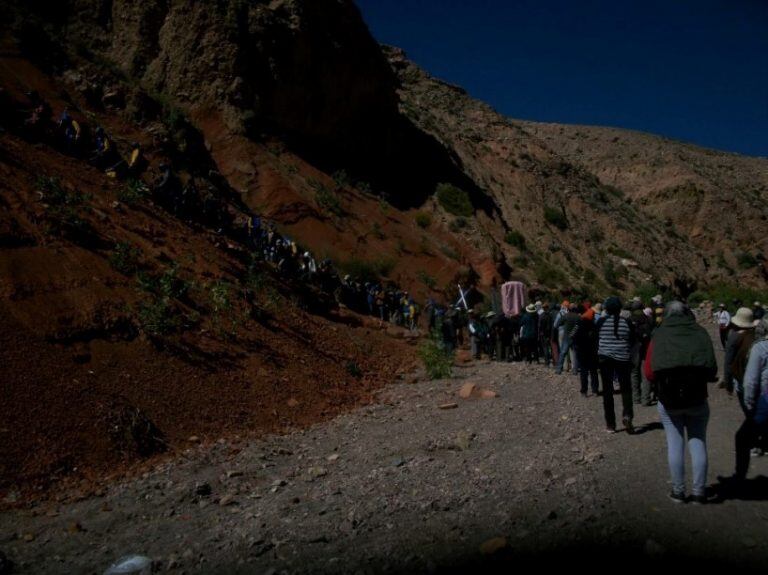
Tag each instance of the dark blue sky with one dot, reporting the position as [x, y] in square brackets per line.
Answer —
[694, 70]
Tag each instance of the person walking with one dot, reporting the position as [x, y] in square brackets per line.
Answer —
[545, 333]
[615, 340]
[741, 335]
[755, 403]
[680, 362]
[567, 328]
[585, 342]
[723, 319]
[643, 326]
[529, 334]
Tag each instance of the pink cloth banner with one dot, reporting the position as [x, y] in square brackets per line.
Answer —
[512, 298]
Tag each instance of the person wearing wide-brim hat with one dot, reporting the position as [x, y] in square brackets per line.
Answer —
[740, 338]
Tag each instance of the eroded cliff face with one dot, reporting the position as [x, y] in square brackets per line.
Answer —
[307, 70]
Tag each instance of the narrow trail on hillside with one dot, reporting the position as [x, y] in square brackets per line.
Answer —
[422, 479]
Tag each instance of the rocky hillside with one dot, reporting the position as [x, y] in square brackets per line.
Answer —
[716, 200]
[565, 226]
[288, 94]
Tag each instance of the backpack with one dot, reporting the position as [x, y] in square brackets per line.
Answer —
[739, 364]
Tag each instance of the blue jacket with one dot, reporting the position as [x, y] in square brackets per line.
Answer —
[756, 375]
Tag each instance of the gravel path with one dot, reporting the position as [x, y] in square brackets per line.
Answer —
[404, 485]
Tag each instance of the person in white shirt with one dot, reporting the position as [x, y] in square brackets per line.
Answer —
[723, 322]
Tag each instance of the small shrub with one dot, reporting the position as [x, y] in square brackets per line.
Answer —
[423, 219]
[556, 217]
[596, 235]
[221, 297]
[342, 179]
[746, 260]
[157, 316]
[437, 362]
[167, 284]
[354, 370]
[427, 279]
[614, 275]
[328, 201]
[515, 238]
[454, 200]
[450, 253]
[377, 231]
[125, 258]
[457, 225]
[132, 192]
[620, 252]
[728, 293]
[550, 275]
[63, 207]
[364, 187]
[171, 285]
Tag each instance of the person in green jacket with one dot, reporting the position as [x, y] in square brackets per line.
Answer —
[680, 361]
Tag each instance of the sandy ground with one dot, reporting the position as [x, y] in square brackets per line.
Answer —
[405, 485]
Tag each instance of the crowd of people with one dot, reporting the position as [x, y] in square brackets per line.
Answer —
[657, 353]
[199, 199]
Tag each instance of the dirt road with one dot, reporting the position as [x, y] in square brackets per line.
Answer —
[404, 485]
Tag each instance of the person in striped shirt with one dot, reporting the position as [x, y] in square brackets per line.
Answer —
[615, 341]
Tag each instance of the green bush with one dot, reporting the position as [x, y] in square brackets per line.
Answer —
[220, 296]
[63, 207]
[157, 316]
[132, 192]
[515, 238]
[437, 362]
[520, 261]
[454, 200]
[125, 258]
[342, 179]
[427, 279]
[596, 235]
[450, 253]
[423, 219]
[614, 275]
[354, 370]
[619, 252]
[728, 293]
[328, 201]
[377, 231]
[746, 260]
[167, 284]
[550, 275]
[556, 217]
[457, 225]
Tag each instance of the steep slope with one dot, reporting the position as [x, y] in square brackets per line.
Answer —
[126, 329]
[716, 200]
[576, 230]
